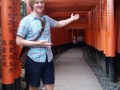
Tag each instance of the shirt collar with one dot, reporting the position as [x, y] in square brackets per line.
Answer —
[34, 17]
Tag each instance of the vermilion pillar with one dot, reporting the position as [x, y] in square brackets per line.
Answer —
[117, 31]
[87, 30]
[111, 38]
[8, 45]
[102, 26]
[10, 70]
[15, 9]
[17, 83]
[118, 27]
[110, 27]
[99, 25]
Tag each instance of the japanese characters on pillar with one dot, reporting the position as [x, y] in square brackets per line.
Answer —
[99, 26]
[98, 16]
[103, 15]
[102, 26]
[98, 33]
[110, 28]
[8, 41]
[105, 27]
[108, 14]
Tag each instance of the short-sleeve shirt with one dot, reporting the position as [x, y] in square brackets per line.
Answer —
[29, 29]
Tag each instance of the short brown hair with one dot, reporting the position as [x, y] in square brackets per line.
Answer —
[31, 2]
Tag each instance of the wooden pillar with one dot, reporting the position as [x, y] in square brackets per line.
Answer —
[9, 56]
[88, 31]
[118, 26]
[102, 25]
[99, 25]
[111, 38]
[15, 47]
[98, 42]
[18, 48]
[117, 31]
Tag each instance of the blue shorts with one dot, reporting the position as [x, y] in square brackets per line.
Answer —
[36, 71]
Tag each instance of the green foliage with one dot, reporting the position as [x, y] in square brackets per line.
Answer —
[22, 9]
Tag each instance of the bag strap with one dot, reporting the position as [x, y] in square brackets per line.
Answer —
[40, 33]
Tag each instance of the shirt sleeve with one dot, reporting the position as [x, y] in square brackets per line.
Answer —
[23, 27]
[52, 22]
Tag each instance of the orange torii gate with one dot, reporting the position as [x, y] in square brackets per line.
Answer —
[11, 68]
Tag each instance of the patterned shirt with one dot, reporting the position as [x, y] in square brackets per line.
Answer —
[29, 29]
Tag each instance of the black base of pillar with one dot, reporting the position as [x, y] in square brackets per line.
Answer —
[17, 84]
[7, 86]
[118, 63]
[111, 68]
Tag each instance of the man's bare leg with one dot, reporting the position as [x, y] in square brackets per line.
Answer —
[33, 88]
[49, 86]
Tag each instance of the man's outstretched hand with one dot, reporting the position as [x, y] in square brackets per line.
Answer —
[75, 17]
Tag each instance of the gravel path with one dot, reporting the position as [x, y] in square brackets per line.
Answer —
[102, 78]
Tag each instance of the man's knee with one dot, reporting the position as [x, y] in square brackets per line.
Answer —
[33, 88]
[49, 86]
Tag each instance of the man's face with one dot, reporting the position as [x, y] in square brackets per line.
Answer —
[38, 6]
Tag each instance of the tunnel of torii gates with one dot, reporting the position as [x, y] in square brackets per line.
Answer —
[101, 37]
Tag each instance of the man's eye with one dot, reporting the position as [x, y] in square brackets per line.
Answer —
[40, 2]
[37, 2]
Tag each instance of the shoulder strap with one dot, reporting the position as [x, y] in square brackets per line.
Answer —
[40, 33]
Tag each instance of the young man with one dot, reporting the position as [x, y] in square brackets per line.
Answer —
[39, 64]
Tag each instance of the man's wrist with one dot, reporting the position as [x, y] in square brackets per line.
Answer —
[72, 19]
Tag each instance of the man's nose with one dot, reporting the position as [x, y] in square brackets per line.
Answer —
[40, 4]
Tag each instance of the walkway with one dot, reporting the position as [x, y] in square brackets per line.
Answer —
[73, 73]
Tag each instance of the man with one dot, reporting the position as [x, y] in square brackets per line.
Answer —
[39, 64]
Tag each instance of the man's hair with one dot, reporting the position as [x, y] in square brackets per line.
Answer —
[31, 2]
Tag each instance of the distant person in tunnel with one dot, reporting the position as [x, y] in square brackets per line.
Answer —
[39, 64]
[74, 42]
[80, 41]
